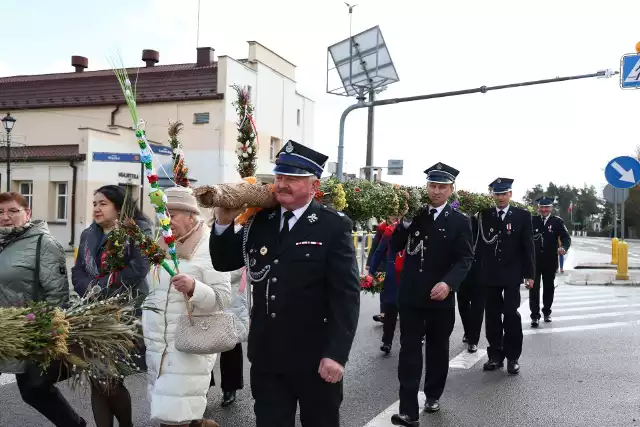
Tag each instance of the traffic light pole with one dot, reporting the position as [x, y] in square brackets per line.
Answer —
[483, 89]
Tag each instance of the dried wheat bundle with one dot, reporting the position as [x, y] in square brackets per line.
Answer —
[235, 196]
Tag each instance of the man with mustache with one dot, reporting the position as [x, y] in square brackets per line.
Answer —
[306, 293]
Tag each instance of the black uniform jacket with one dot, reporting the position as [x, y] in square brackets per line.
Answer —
[506, 252]
[446, 256]
[306, 307]
[546, 239]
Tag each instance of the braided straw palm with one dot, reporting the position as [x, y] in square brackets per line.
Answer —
[235, 196]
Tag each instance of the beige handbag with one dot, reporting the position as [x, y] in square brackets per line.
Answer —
[207, 333]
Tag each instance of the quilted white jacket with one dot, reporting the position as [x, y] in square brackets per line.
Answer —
[179, 394]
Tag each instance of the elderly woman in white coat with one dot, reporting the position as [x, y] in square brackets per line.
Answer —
[178, 382]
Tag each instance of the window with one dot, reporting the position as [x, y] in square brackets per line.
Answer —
[274, 147]
[26, 189]
[62, 198]
[298, 116]
[200, 118]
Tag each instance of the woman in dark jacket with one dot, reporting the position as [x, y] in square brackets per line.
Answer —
[372, 250]
[391, 280]
[110, 203]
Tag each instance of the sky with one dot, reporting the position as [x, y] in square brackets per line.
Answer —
[561, 132]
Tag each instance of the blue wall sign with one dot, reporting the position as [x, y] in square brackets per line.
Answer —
[100, 156]
[163, 150]
[630, 71]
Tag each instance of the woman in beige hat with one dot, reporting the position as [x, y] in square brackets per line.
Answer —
[178, 382]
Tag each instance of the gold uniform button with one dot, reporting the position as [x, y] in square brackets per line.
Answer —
[273, 315]
[273, 297]
[274, 280]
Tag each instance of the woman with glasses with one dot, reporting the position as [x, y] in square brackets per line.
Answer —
[33, 268]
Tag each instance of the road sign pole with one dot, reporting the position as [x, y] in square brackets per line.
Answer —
[622, 205]
[615, 213]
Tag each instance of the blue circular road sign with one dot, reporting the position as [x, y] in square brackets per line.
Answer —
[623, 172]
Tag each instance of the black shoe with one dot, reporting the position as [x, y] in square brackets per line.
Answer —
[432, 405]
[228, 397]
[534, 323]
[513, 367]
[492, 365]
[472, 348]
[547, 319]
[386, 348]
[464, 338]
[404, 420]
[378, 318]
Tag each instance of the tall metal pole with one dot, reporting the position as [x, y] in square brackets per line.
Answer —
[369, 159]
[622, 216]
[615, 212]
[483, 89]
[8, 161]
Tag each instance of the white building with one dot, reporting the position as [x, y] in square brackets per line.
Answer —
[77, 131]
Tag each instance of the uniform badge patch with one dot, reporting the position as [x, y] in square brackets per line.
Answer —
[263, 250]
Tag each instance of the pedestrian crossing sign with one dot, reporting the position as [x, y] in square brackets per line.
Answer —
[630, 71]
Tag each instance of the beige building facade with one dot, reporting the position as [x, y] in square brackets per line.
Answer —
[73, 132]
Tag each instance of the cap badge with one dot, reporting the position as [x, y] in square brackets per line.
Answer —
[289, 147]
[499, 181]
[439, 166]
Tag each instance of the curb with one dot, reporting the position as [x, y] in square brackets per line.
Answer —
[602, 283]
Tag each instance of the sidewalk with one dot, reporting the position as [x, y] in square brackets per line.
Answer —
[595, 269]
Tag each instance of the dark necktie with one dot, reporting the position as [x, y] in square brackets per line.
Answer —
[287, 215]
[432, 215]
[500, 214]
[544, 220]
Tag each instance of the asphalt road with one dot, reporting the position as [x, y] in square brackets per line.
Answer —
[580, 370]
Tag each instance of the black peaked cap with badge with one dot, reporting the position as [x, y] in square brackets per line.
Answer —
[544, 201]
[442, 173]
[501, 185]
[295, 159]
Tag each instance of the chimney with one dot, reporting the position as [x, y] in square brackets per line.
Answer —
[150, 57]
[205, 56]
[80, 62]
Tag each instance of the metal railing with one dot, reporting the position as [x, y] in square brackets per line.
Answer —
[362, 241]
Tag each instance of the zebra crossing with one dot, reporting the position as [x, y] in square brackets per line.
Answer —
[583, 308]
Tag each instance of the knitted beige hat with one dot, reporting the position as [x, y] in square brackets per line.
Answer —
[181, 198]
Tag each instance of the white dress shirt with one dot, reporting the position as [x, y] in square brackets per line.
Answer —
[505, 210]
[406, 223]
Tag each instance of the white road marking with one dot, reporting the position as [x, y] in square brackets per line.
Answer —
[466, 360]
[578, 328]
[576, 303]
[590, 316]
[7, 379]
[564, 298]
[597, 307]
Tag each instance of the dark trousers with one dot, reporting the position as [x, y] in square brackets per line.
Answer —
[39, 392]
[278, 395]
[231, 365]
[390, 321]
[548, 275]
[503, 323]
[471, 309]
[436, 326]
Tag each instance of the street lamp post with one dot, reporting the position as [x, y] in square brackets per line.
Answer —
[7, 123]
